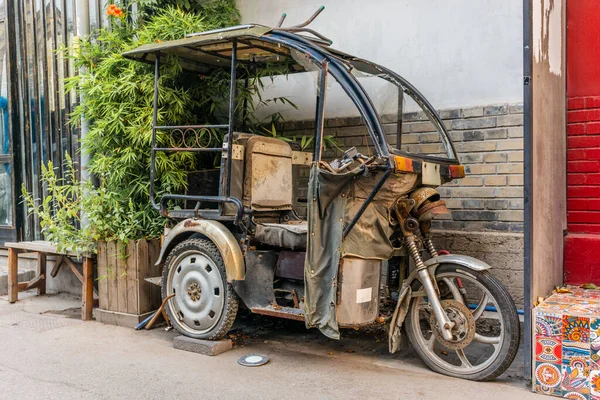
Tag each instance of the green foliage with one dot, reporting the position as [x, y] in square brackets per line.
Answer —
[108, 215]
[118, 102]
[60, 211]
[223, 12]
[305, 142]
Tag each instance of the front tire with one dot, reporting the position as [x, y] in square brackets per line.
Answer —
[490, 338]
[205, 304]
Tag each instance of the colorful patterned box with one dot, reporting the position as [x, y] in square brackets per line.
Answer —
[567, 345]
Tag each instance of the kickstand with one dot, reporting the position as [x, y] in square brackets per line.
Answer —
[149, 322]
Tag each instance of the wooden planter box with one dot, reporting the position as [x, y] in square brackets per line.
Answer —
[125, 298]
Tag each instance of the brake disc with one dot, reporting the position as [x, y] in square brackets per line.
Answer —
[463, 331]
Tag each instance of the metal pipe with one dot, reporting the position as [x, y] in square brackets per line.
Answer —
[191, 127]
[154, 118]
[400, 117]
[245, 106]
[82, 16]
[281, 20]
[231, 116]
[311, 19]
[325, 39]
[320, 118]
[528, 182]
[228, 29]
[191, 149]
[209, 199]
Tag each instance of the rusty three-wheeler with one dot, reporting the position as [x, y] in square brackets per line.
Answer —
[364, 241]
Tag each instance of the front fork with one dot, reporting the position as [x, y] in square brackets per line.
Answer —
[409, 226]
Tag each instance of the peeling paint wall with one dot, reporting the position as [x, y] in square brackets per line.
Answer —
[548, 145]
[547, 21]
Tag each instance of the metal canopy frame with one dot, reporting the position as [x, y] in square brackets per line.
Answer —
[328, 62]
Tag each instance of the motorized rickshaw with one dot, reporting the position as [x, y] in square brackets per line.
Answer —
[366, 239]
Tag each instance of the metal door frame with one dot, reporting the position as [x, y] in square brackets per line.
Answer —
[9, 232]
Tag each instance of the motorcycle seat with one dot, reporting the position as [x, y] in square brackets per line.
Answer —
[290, 235]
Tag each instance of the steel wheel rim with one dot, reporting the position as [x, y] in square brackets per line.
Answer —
[466, 367]
[199, 292]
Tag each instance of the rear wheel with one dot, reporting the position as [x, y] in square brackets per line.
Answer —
[205, 304]
[486, 325]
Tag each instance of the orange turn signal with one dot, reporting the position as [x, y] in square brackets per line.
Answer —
[457, 171]
[404, 164]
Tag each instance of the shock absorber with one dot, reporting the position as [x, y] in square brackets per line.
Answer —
[409, 226]
[429, 245]
[445, 323]
[412, 248]
[425, 227]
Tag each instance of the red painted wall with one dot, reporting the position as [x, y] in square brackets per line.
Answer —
[583, 48]
[582, 244]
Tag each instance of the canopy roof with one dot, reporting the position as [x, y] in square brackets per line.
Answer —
[207, 51]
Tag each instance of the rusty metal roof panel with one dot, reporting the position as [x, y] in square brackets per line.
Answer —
[208, 50]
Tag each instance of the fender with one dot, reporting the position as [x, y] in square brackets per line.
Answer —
[216, 232]
[465, 261]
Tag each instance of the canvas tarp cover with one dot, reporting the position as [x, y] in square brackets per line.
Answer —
[333, 201]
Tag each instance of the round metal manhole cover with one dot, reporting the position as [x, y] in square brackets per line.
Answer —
[253, 360]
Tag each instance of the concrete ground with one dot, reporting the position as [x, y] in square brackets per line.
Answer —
[48, 353]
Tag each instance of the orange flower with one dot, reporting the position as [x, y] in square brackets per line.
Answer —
[114, 11]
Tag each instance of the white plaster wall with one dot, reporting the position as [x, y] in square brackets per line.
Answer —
[458, 53]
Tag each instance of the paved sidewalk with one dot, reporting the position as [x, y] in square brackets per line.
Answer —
[54, 356]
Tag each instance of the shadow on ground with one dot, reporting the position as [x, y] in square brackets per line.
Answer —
[368, 343]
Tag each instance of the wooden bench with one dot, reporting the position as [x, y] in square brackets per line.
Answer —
[68, 258]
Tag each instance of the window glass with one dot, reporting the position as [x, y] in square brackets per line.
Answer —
[344, 125]
[5, 195]
[407, 125]
[4, 135]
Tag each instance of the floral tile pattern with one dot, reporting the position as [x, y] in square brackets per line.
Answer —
[548, 349]
[548, 378]
[575, 376]
[595, 384]
[576, 329]
[549, 325]
[567, 345]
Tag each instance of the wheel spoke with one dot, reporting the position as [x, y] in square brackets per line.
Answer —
[486, 348]
[481, 307]
[464, 361]
[493, 340]
[431, 342]
[454, 289]
[423, 306]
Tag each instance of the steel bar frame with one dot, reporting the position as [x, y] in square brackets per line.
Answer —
[154, 121]
[528, 185]
[400, 114]
[232, 88]
[319, 117]
[368, 201]
[329, 64]
[162, 205]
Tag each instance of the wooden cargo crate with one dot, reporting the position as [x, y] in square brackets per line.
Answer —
[125, 297]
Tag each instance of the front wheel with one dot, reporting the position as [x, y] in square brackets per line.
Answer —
[486, 325]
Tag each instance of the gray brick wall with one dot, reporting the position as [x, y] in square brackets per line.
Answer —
[502, 250]
[489, 143]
